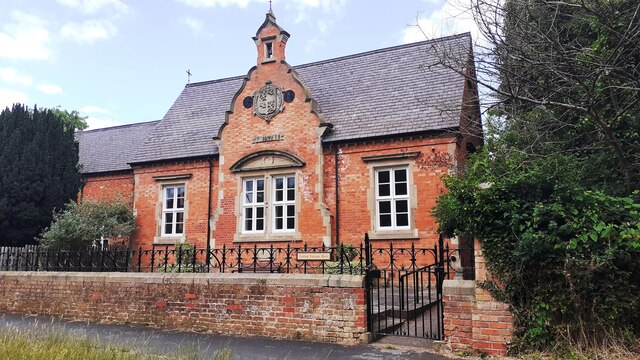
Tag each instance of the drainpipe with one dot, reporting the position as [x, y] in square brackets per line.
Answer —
[335, 158]
[209, 214]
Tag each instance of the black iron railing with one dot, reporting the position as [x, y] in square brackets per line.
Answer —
[344, 259]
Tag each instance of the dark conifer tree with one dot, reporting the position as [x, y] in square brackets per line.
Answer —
[38, 171]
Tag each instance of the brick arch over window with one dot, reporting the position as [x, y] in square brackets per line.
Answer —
[267, 160]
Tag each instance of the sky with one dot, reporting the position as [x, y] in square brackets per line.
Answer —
[123, 61]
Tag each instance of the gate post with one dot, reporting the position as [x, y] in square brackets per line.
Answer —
[367, 280]
[473, 319]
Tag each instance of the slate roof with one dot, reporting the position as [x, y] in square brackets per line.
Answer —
[110, 149]
[391, 91]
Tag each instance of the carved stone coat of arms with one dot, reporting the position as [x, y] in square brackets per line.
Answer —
[268, 102]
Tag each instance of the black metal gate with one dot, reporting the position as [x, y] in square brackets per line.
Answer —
[404, 290]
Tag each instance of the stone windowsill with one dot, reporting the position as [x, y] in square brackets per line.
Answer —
[393, 235]
[168, 240]
[258, 238]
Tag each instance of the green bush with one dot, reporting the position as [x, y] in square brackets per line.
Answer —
[344, 264]
[181, 260]
[566, 259]
[79, 226]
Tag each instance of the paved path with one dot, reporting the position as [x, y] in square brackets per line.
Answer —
[252, 348]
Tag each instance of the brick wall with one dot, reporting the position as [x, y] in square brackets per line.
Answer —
[108, 186]
[148, 204]
[357, 190]
[473, 319]
[328, 308]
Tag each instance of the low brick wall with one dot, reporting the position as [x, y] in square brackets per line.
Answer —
[473, 319]
[327, 308]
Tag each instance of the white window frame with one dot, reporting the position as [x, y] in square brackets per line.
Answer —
[392, 198]
[269, 204]
[285, 203]
[175, 210]
[254, 205]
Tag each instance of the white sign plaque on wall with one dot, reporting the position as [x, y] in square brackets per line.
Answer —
[314, 256]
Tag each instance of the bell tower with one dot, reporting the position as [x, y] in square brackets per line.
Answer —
[270, 40]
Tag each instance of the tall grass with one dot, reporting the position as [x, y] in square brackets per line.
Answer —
[24, 345]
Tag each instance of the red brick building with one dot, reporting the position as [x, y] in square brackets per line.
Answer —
[319, 153]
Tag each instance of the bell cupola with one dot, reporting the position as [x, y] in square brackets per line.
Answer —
[270, 40]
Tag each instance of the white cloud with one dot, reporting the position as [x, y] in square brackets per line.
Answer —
[12, 76]
[93, 6]
[313, 44]
[9, 97]
[215, 3]
[329, 10]
[97, 123]
[24, 38]
[450, 18]
[91, 109]
[326, 12]
[196, 26]
[88, 31]
[49, 89]
[327, 6]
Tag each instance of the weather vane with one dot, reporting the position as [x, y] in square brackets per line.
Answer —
[188, 76]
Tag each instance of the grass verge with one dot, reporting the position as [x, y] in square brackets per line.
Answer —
[23, 345]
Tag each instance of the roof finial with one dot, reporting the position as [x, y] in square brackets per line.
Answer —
[270, 11]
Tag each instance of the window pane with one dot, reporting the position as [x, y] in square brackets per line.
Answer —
[384, 190]
[291, 223]
[260, 196]
[180, 191]
[402, 219]
[385, 207]
[260, 184]
[401, 175]
[401, 189]
[179, 228]
[291, 210]
[248, 197]
[401, 206]
[169, 204]
[259, 212]
[168, 218]
[279, 183]
[248, 219]
[248, 185]
[291, 182]
[385, 220]
[169, 192]
[278, 223]
[291, 195]
[279, 211]
[383, 176]
[279, 195]
[260, 224]
[180, 217]
[180, 203]
[167, 229]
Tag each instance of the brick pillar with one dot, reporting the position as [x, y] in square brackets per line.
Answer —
[473, 319]
[459, 304]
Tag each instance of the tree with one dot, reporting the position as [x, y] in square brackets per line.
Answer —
[40, 173]
[554, 195]
[562, 79]
[73, 118]
[80, 226]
